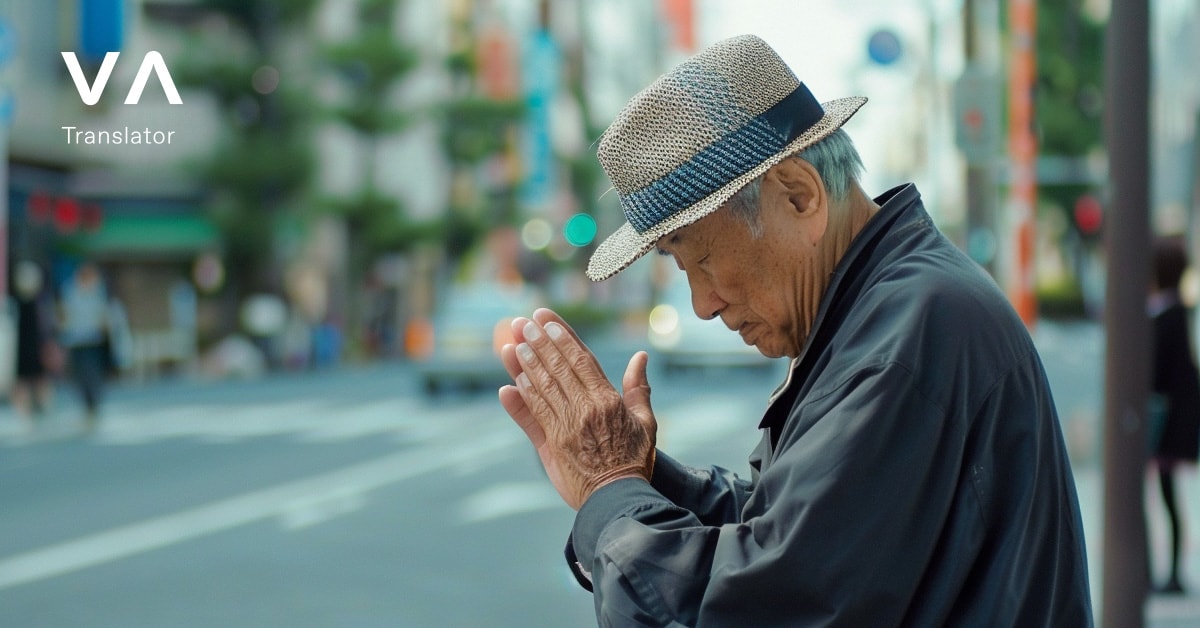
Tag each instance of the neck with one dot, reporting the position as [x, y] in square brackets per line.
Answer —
[846, 220]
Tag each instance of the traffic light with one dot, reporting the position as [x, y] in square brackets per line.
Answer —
[1089, 215]
[580, 230]
[66, 214]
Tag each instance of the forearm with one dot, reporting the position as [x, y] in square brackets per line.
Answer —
[715, 495]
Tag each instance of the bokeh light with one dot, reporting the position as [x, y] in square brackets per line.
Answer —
[580, 230]
[536, 234]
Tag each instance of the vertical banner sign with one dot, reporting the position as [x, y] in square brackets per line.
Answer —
[1023, 149]
[101, 28]
[541, 74]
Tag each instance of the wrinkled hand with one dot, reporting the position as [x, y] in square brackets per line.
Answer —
[585, 432]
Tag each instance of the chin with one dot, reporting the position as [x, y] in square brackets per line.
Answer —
[769, 352]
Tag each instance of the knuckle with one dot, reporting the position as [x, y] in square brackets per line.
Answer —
[579, 362]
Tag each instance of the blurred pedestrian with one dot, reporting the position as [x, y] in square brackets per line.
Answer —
[911, 471]
[38, 354]
[1176, 385]
[84, 313]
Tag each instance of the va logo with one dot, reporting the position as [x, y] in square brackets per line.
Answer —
[90, 94]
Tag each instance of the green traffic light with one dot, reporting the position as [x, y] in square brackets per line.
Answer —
[580, 230]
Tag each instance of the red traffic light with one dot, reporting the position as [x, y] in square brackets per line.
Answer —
[1089, 214]
[67, 214]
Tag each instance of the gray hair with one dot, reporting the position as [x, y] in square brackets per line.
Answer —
[834, 158]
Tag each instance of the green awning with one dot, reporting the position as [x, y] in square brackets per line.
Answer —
[140, 235]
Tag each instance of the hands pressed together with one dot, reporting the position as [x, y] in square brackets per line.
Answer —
[586, 433]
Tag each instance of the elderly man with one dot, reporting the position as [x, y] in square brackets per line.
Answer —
[911, 469]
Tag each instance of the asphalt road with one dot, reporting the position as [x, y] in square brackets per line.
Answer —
[344, 498]
[347, 498]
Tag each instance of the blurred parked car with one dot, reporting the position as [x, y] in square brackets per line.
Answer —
[469, 327]
[683, 340]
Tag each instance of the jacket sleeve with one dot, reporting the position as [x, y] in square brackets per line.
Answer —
[715, 495]
[863, 476]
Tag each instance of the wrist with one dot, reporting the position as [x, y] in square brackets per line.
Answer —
[631, 471]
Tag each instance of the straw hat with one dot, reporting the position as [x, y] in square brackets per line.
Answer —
[685, 144]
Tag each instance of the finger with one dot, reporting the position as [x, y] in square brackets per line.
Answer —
[551, 377]
[518, 329]
[576, 355]
[635, 387]
[508, 357]
[545, 316]
[515, 406]
[541, 411]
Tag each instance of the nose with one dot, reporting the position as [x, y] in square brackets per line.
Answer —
[705, 301]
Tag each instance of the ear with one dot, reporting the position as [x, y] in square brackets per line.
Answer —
[802, 191]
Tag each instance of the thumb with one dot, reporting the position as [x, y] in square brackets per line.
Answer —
[636, 390]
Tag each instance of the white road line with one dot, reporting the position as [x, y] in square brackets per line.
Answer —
[337, 486]
[508, 498]
[310, 512]
[218, 424]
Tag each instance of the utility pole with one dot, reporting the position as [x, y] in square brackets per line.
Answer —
[1022, 155]
[1127, 327]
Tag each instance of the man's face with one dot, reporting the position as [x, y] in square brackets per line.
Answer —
[751, 283]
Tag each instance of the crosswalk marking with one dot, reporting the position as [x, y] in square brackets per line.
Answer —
[506, 499]
[404, 420]
[462, 439]
[297, 503]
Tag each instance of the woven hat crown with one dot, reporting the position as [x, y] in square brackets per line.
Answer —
[696, 104]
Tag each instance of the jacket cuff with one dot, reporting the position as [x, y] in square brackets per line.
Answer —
[607, 504]
[582, 575]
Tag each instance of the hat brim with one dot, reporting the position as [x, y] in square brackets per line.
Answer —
[626, 245]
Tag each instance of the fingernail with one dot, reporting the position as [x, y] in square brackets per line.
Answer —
[522, 381]
[525, 352]
[531, 331]
[554, 330]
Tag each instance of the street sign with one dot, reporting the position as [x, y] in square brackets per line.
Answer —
[977, 115]
[884, 47]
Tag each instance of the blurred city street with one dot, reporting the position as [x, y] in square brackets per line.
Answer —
[286, 233]
[342, 498]
[350, 498]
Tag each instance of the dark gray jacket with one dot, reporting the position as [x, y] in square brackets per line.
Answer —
[912, 472]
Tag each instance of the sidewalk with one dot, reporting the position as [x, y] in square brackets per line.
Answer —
[1162, 611]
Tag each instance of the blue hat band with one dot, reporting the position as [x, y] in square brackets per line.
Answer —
[723, 161]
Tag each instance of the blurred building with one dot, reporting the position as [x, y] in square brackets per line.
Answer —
[143, 211]
[107, 182]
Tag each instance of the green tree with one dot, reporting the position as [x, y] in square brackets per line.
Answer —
[1070, 96]
[370, 65]
[258, 175]
[476, 129]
